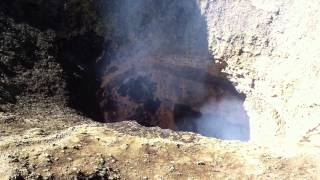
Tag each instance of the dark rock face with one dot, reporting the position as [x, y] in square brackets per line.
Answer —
[48, 51]
[29, 67]
[165, 91]
[145, 74]
[36, 13]
[160, 72]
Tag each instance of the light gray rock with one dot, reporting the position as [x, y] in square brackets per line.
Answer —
[272, 49]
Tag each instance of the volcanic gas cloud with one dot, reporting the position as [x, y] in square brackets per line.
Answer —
[158, 71]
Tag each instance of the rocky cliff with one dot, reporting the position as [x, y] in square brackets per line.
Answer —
[272, 51]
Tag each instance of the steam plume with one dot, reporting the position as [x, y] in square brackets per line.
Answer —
[161, 64]
[225, 119]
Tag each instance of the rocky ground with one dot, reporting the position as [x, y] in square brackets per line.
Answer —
[76, 148]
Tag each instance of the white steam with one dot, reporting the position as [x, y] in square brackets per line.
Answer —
[225, 119]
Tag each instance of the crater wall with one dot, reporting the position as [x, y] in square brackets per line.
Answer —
[271, 49]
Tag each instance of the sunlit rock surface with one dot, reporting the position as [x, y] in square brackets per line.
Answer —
[126, 150]
[272, 49]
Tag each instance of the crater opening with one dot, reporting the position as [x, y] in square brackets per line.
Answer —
[157, 70]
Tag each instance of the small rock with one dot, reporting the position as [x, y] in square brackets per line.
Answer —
[172, 168]
[14, 159]
[26, 157]
[146, 160]
[34, 166]
[179, 174]
[25, 164]
[102, 173]
[47, 155]
[124, 147]
[77, 147]
[111, 159]
[34, 175]
[201, 163]
[102, 161]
